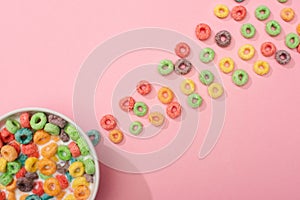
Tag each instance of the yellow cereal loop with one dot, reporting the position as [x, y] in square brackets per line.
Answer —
[215, 90]
[3, 164]
[54, 158]
[80, 181]
[31, 164]
[246, 52]
[76, 169]
[187, 86]
[221, 11]
[261, 67]
[226, 65]
[70, 197]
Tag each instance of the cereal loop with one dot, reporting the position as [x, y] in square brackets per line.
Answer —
[238, 13]
[226, 65]
[51, 187]
[261, 67]
[246, 52]
[31, 164]
[203, 31]
[108, 122]
[182, 50]
[116, 136]
[287, 14]
[47, 167]
[165, 95]
[41, 137]
[76, 169]
[215, 90]
[143, 87]
[82, 192]
[221, 11]
[25, 120]
[268, 49]
[49, 150]
[156, 118]
[9, 153]
[174, 110]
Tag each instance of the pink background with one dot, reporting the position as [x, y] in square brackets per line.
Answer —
[43, 44]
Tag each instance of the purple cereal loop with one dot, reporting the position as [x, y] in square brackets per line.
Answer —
[64, 136]
[62, 167]
[282, 57]
[220, 35]
[24, 184]
[31, 176]
[187, 66]
[58, 121]
[89, 178]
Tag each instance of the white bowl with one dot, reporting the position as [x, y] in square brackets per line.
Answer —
[14, 113]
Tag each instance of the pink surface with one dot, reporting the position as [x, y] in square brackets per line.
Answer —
[43, 45]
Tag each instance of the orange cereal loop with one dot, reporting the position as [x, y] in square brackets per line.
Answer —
[287, 14]
[54, 158]
[47, 167]
[51, 187]
[41, 137]
[55, 138]
[12, 186]
[61, 195]
[298, 29]
[11, 196]
[9, 153]
[23, 196]
[82, 192]
[49, 150]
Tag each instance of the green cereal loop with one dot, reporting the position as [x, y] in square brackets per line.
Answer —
[72, 131]
[83, 147]
[52, 129]
[262, 16]
[44, 177]
[240, 77]
[12, 125]
[165, 67]
[136, 128]
[248, 30]
[292, 40]
[195, 100]
[89, 166]
[38, 121]
[46, 197]
[206, 77]
[63, 152]
[22, 158]
[207, 54]
[273, 24]
[13, 167]
[143, 106]
[6, 179]
[282, 1]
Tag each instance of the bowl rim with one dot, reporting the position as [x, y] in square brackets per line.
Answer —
[82, 133]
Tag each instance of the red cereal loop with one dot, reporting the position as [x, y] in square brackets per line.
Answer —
[63, 181]
[21, 173]
[25, 120]
[203, 31]
[108, 122]
[238, 13]
[2, 195]
[6, 136]
[268, 49]
[16, 145]
[127, 104]
[143, 87]
[38, 188]
[174, 110]
[1, 143]
[74, 149]
[35, 154]
[298, 49]
[182, 50]
[28, 149]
